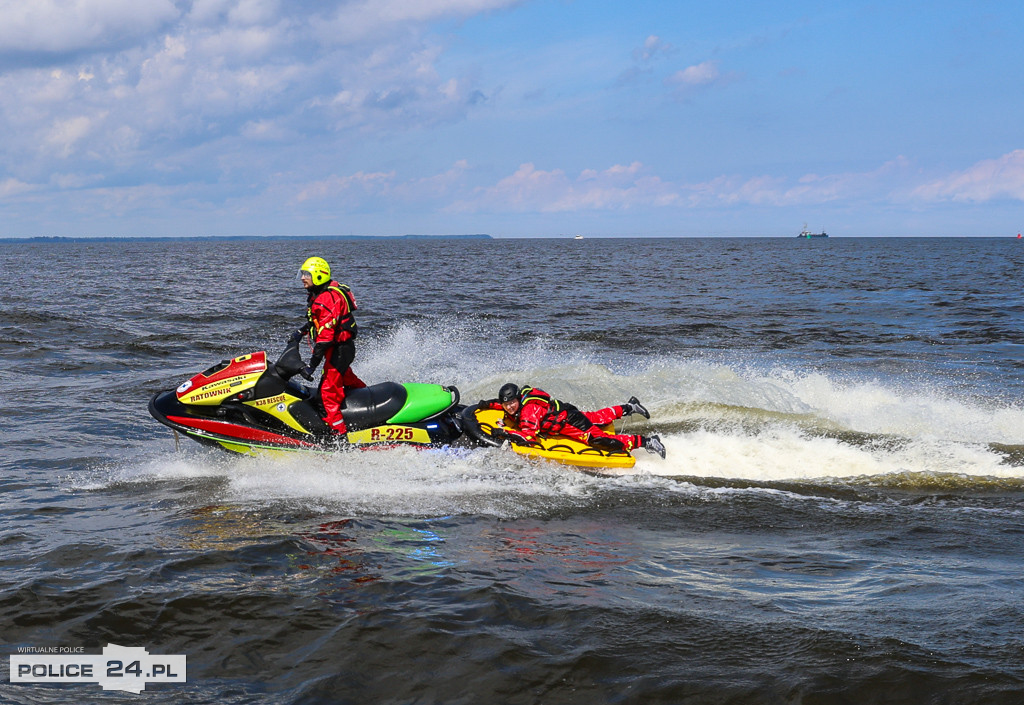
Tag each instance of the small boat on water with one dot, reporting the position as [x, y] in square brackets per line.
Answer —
[578, 237]
[805, 233]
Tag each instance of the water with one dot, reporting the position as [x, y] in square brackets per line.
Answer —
[838, 520]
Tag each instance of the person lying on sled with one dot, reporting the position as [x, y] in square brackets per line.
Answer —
[535, 413]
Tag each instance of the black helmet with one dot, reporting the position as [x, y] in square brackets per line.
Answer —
[508, 392]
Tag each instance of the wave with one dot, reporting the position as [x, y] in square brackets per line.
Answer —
[738, 423]
[731, 419]
[478, 360]
[703, 469]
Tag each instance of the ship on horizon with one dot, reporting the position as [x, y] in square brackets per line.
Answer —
[805, 233]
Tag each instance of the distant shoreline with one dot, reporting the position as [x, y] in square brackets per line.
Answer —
[170, 238]
[59, 239]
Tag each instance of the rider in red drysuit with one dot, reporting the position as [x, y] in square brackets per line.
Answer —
[332, 331]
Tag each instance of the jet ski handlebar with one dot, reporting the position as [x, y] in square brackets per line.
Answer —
[290, 362]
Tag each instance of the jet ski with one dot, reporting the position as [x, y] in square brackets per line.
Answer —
[486, 426]
[250, 405]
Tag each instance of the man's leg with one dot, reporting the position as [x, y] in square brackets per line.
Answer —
[332, 392]
[580, 426]
[604, 416]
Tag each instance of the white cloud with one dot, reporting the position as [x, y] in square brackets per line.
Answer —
[266, 130]
[644, 58]
[251, 12]
[527, 189]
[74, 181]
[434, 187]
[241, 45]
[632, 186]
[619, 187]
[72, 25]
[64, 134]
[653, 48]
[126, 199]
[987, 180]
[366, 20]
[698, 75]
[346, 193]
[356, 185]
[692, 79]
[13, 187]
[810, 189]
[215, 70]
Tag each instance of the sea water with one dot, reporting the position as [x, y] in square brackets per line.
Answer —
[838, 519]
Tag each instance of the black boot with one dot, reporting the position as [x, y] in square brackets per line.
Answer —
[653, 444]
[633, 406]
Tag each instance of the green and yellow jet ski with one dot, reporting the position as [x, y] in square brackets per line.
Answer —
[250, 405]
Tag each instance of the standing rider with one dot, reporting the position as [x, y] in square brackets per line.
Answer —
[535, 413]
[332, 332]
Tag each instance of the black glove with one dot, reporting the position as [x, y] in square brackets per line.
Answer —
[319, 350]
[518, 440]
[297, 335]
[307, 373]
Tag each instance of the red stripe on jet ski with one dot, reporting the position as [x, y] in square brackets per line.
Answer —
[231, 431]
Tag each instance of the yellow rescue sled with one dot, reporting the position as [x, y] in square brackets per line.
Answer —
[481, 424]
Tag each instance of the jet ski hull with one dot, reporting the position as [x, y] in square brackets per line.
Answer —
[241, 431]
[249, 405]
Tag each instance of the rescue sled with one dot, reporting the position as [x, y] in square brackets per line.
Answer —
[486, 426]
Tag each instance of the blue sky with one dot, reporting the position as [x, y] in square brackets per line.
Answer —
[518, 118]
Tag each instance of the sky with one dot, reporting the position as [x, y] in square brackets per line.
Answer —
[515, 118]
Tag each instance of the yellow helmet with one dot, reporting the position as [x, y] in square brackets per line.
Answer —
[318, 269]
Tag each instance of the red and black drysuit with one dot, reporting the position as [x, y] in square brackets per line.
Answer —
[540, 415]
[332, 331]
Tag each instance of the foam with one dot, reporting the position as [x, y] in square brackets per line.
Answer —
[783, 453]
[718, 419]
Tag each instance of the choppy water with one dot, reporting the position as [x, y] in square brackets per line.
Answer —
[838, 520]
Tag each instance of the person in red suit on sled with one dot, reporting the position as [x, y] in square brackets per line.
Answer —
[535, 413]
